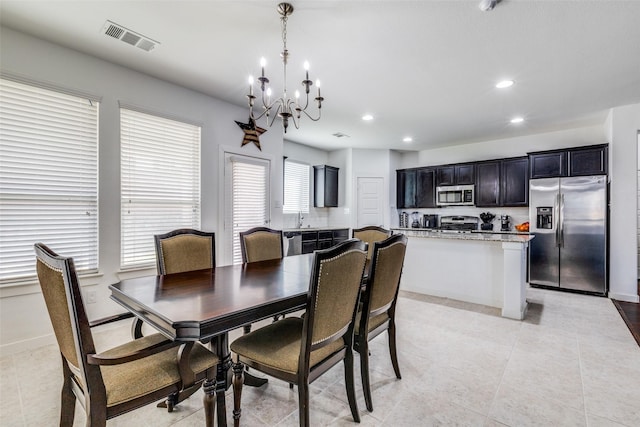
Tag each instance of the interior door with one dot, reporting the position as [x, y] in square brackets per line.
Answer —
[370, 209]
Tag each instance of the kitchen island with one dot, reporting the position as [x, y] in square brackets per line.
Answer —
[481, 268]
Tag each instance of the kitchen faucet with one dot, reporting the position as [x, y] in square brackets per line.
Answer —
[300, 218]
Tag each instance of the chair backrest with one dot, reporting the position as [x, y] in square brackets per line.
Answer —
[333, 295]
[260, 244]
[59, 284]
[185, 250]
[384, 276]
[370, 234]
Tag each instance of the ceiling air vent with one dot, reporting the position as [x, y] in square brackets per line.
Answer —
[130, 37]
[341, 135]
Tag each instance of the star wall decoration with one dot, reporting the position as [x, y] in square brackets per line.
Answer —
[251, 133]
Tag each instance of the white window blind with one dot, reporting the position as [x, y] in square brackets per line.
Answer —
[48, 178]
[296, 187]
[250, 195]
[160, 182]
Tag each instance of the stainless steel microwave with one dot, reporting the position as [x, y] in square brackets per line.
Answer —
[455, 195]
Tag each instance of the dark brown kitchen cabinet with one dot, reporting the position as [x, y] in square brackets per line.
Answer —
[588, 161]
[488, 184]
[325, 186]
[514, 182]
[548, 164]
[503, 182]
[425, 188]
[461, 174]
[578, 161]
[406, 188]
[322, 239]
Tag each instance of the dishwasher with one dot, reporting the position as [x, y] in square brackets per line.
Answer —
[292, 243]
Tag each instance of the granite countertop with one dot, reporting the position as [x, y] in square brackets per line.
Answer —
[477, 236]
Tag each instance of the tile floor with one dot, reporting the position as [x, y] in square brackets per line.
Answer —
[571, 362]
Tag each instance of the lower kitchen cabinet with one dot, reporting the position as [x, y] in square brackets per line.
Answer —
[322, 239]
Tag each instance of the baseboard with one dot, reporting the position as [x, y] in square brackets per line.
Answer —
[624, 297]
[25, 345]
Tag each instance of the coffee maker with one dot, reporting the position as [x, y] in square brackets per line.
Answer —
[430, 221]
[415, 219]
[504, 223]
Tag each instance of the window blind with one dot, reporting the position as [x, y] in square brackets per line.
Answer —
[296, 187]
[48, 178]
[160, 182]
[249, 198]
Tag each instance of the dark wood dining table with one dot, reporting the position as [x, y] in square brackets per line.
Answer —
[205, 305]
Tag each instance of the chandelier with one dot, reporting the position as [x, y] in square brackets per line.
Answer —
[284, 107]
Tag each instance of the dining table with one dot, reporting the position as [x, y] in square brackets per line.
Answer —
[205, 305]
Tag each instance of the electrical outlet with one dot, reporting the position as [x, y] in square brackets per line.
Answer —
[91, 297]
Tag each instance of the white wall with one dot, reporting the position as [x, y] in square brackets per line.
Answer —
[623, 126]
[23, 318]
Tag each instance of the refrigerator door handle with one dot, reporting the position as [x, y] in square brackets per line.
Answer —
[561, 221]
[556, 208]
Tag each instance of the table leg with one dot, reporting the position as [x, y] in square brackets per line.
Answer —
[238, 369]
[223, 375]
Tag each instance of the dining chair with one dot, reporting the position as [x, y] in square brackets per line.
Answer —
[185, 249]
[370, 234]
[378, 308]
[261, 244]
[123, 378]
[299, 350]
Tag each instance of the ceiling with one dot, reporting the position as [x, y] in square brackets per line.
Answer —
[425, 69]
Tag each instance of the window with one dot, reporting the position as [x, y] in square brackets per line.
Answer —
[249, 193]
[48, 178]
[160, 182]
[296, 187]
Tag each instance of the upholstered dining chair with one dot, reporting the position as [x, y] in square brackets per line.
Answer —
[299, 350]
[370, 234]
[185, 249]
[261, 244]
[123, 378]
[378, 308]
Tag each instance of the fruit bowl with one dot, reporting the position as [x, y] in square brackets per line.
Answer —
[522, 227]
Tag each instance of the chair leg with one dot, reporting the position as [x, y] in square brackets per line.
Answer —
[209, 399]
[364, 373]
[303, 403]
[392, 349]
[351, 386]
[238, 370]
[68, 404]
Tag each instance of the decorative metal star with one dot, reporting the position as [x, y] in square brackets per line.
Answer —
[251, 132]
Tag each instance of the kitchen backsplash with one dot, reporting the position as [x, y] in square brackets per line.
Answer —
[517, 215]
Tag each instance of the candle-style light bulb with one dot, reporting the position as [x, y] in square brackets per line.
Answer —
[297, 94]
[318, 85]
[306, 69]
[250, 85]
[263, 62]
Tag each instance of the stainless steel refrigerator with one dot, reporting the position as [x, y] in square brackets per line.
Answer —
[568, 217]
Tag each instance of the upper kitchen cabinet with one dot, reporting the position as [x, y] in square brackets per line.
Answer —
[503, 182]
[579, 161]
[588, 160]
[548, 164]
[426, 188]
[461, 174]
[325, 186]
[514, 182]
[406, 188]
[488, 184]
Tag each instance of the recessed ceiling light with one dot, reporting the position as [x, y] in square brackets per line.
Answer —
[407, 139]
[367, 117]
[504, 84]
[517, 120]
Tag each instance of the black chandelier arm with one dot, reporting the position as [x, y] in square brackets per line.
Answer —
[273, 119]
[313, 119]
